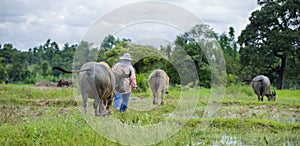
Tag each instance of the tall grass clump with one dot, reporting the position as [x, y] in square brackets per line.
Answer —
[240, 90]
[142, 82]
[12, 91]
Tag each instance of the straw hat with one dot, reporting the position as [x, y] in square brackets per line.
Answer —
[126, 56]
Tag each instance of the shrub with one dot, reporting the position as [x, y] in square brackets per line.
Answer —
[142, 82]
[231, 79]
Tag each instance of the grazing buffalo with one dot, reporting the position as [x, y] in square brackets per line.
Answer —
[97, 81]
[261, 86]
[158, 82]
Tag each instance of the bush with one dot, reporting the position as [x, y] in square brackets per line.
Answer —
[231, 79]
[29, 81]
[142, 82]
[177, 87]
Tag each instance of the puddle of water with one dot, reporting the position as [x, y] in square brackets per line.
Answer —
[194, 144]
[185, 114]
[240, 112]
[261, 112]
[225, 140]
[228, 140]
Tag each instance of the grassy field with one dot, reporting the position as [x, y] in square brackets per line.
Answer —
[50, 116]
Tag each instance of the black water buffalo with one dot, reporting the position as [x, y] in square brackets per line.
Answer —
[261, 86]
[65, 83]
[158, 82]
[97, 81]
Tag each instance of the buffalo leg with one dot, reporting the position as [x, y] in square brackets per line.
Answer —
[108, 105]
[155, 98]
[96, 106]
[102, 110]
[85, 102]
[162, 97]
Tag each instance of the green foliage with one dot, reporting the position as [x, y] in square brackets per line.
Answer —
[45, 66]
[35, 64]
[191, 53]
[145, 60]
[3, 71]
[231, 79]
[189, 44]
[142, 82]
[110, 42]
[230, 49]
[200, 45]
[270, 41]
[85, 53]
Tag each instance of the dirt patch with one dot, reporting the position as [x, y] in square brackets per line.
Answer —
[30, 102]
[141, 104]
[15, 114]
[268, 112]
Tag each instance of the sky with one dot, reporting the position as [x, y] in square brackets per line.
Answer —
[29, 23]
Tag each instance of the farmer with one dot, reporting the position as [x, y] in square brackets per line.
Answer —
[121, 99]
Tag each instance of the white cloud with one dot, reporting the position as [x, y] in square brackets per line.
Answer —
[28, 23]
[220, 15]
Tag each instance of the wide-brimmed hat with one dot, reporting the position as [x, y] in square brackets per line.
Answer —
[126, 56]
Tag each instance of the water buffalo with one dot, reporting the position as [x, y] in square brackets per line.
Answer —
[158, 82]
[261, 86]
[65, 83]
[97, 81]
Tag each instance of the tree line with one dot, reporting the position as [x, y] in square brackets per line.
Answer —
[269, 45]
[35, 64]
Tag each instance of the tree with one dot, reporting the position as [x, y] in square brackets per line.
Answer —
[14, 63]
[271, 39]
[145, 60]
[45, 68]
[7, 51]
[67, 54]
[35, 64]
[110, 42]
[85, 53]
[230, 49]
[167, 49]
[3, 71]
[201, 45]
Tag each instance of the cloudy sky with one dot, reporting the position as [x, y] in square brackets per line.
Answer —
[29, 23]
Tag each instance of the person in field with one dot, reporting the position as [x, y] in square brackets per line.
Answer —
[124, 66]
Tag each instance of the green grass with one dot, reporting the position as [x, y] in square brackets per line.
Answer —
[50, 116]
[52, 128]
[31, 92]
